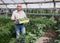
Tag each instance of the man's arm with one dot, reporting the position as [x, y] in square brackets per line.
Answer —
[13, 18]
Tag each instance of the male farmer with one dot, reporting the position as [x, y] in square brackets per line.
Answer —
[19, 13]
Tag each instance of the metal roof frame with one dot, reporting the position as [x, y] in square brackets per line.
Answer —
[29, 2]
[53, 1]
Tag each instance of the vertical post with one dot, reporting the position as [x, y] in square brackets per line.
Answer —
[0, 11]
[54, 7]
[6, 12]
[37, 11]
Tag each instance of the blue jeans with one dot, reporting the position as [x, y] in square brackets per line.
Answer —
[19, 28]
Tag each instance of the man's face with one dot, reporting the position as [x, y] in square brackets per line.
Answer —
[19, 7]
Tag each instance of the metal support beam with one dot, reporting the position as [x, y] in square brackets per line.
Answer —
[30, 2]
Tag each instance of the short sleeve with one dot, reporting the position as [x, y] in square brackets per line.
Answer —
[13, 16]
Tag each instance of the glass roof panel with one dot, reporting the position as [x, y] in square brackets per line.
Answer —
[48, 0]
[37, 0]
[23, 6]
[11, 6]
[15, 6]
[57, 0]
[2, 6]
[8, 1]
[44, 5]
[47, 5]
[18, 1]
[33, 6]
[57, 5]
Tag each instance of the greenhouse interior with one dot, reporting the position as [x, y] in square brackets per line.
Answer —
[43, 25]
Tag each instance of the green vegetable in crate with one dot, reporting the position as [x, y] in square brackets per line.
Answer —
[23, 20]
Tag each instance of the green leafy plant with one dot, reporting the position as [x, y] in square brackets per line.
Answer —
[34, 29]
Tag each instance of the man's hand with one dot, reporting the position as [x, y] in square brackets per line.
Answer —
[16, 20]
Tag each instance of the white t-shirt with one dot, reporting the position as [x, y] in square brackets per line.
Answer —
[17, 15]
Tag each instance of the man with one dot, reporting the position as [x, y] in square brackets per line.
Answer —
[19, 13]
